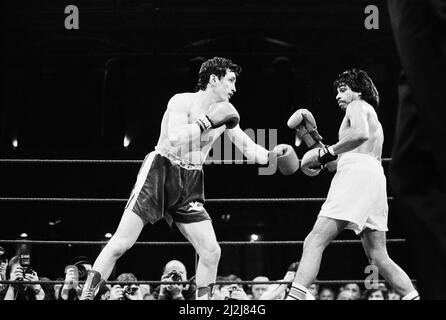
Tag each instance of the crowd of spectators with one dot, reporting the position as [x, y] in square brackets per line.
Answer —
[70, 286]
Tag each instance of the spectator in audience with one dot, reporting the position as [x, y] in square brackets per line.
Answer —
[216, 295]
[3, 266]
[174, 270]
[48, 289]
[326, 293]
[146, 291]
[57, 287]
[77, 272]
[393, 295]
[257, 290]
[354, 289]
[345, 295]
[314, 290]
[125, 291]
[376, 294]
[232, 291]
[279, 291]
[16, 272]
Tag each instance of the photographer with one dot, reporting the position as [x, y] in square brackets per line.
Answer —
[257, 290]
[3, 266]
[174, 270]
[279, 291]
[76, 271]
[15, 271]
[128, 291]
[232, 291]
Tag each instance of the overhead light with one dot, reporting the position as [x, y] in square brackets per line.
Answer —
[15, 143]
[24, 235]
[53, 223]
[126, 141]
[108, 235]
[254, 237]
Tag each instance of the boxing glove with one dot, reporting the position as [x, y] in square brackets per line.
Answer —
[306, 130]
[219, 114]
[314, 160]
[287, 160]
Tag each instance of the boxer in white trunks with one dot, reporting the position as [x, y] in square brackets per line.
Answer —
[357, 198]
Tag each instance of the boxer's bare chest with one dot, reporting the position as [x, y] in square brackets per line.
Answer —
[205, 141]
[344, 128]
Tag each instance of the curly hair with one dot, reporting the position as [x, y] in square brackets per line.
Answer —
[358, 81]
[217, 66]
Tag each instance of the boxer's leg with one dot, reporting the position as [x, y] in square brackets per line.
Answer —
[128, 231]
[324, 231]
[202, 236]
[124, 238]
[374, 243]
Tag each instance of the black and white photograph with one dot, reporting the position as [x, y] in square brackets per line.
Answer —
[239, 152]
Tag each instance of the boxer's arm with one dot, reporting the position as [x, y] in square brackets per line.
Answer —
[249, 148]
[179, 131]
[358, 133]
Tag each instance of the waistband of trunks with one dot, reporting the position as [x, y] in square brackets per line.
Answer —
[356, 157]
[186, 164]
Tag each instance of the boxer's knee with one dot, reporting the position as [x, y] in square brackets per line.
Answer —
[118, 245]
[315, 240]
[378, 257]
[211, 255]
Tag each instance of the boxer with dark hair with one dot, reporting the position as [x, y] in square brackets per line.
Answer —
[357, 198]
[170, 183]
[358, 81]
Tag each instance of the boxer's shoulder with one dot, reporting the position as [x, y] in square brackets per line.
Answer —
[181, 102]
[359, 106]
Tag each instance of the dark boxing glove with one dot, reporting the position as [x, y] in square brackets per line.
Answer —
[314, 160]
[219, 114]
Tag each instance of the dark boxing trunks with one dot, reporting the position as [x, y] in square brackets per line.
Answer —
[168, 187]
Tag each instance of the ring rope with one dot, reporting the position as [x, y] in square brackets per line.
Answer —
[164, 243]
[158, 282]
[245, 200]
[101, 161]
[105, 161]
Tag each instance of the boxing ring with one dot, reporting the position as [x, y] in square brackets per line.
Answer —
[176, 243]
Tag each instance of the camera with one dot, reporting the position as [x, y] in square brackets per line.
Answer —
[25, 262]
[175, 276]
[2, 252]
[232, 289]
[130, 290]
[82, 271]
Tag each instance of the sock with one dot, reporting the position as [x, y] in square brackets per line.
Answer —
[203, 293]
[411, 296]
[297, 292]
[92, 285]
[309, 296]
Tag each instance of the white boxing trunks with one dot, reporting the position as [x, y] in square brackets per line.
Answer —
[358, 193]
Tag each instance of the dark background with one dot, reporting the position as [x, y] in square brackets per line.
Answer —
[75, 94]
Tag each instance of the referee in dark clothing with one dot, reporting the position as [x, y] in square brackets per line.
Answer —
[418, 168]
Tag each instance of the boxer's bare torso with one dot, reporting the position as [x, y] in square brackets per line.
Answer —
[366, 114]
[193, 107]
